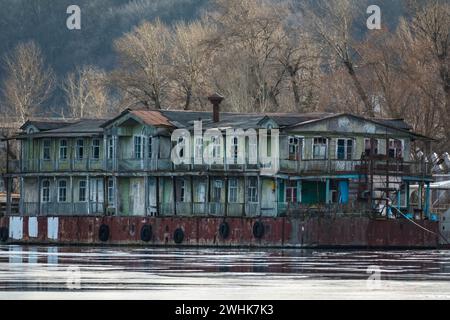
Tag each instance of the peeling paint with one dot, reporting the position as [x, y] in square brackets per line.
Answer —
[16, 228]
[32, 227]
[52, 228]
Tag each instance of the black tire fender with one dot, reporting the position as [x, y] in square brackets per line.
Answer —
[224, 230]
[4, 234]
[146, 232]
[103, 233]
[258, 229]
[178, 236]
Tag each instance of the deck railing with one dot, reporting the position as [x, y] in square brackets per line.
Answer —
[60, 208]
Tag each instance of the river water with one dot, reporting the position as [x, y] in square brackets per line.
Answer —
[41, 272]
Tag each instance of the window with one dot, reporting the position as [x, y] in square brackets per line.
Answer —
[217, 191]
[344, 149]
[252, 190]
[395, 148]
[80, 149]
[110, 148]
[294, 144]
[46, 150]
[95, 149]
[82, 191]
[291, 191]
[368, 146]
[138, 150]
[110, 191]
[150, 147]
[234, 148]
[233, 190]
[63, 149]
[182, 197]
[62, 191]
[216, 147]
[319, 148]
[201, 192]
[45, 191]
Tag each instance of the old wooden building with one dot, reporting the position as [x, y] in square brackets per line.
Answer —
[340, 163]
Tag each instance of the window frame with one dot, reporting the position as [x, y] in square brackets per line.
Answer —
[65, 148]
[252, 190]
[43, 198]
[48, 148]
[347, 155]
[79, 149]
[84, 192]
[233, 190]
[62, 188]
[314, 145]
[94, 148]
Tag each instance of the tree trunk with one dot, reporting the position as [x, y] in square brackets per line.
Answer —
[295, 91]
[359, 89]
[187, 103]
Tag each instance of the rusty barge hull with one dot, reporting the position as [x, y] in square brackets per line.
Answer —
[285, 232]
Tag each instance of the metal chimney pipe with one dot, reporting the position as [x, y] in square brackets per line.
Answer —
[215, 100]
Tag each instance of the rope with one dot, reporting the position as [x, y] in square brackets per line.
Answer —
[432, 232]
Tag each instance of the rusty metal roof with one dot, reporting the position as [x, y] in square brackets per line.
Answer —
[152, 117]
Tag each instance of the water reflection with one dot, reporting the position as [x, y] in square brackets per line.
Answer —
[24, 268]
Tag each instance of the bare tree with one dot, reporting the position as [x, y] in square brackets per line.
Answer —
[333, 22]
[28, 83]
[145, 65]
[85, 93]
[190, 58]
[251, 31]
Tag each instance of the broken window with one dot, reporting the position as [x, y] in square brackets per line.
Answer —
[395, 148]
[294, 148]
[80, 149]
[95, 149]
[233, 190]
[62, 191]
[82, 191]
[63, 149]
[368, 146]
[344, 149]
[319, 148]
[46, 149]
[252, 190]
[45, 191]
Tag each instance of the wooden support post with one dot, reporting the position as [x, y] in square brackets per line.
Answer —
[244, 207]
[192, 195]
[174, 186]
[88, 198]
[259, 181]
[157, 196]
[72, 206]
[226, 196]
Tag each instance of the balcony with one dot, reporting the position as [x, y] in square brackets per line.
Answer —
[61, 208]
[381, 167]
[39, 165]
